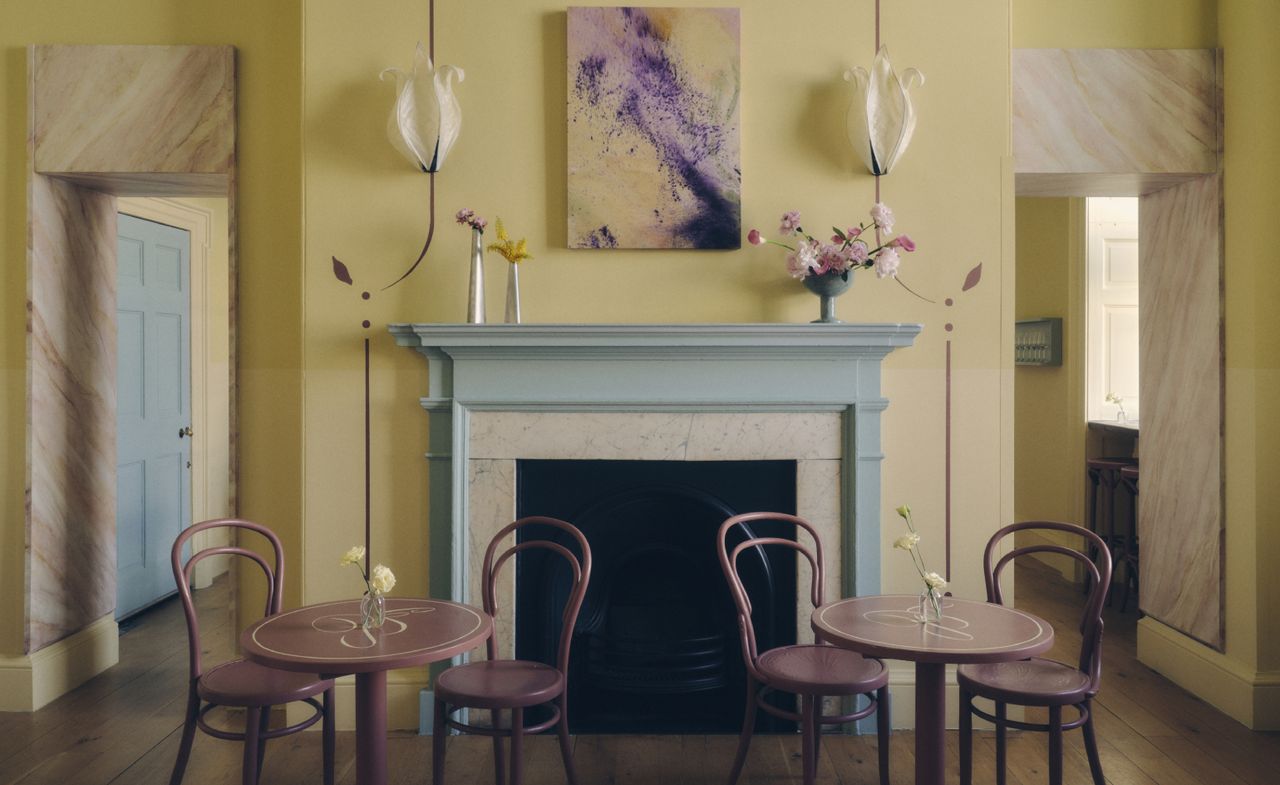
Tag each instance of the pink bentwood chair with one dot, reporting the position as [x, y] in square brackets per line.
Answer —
[514, 685]
[240, 683]
[1039, 681]
[808, 670]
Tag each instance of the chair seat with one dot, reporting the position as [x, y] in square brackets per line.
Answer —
[500, 684]
[1033, 682]
[815, 669]
[244, 683]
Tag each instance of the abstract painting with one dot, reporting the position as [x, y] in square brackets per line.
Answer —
[653, 128]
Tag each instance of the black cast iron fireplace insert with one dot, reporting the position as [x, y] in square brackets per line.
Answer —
[657, 648]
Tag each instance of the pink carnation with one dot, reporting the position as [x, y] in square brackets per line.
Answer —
[754, 237]
[904, 242]
[858, 252]
[790, 222]
[887, 263]
[832, 259]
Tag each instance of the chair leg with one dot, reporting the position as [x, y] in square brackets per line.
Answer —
[499, 760]
[263, 726]
[1055, 745]
[439, 733]
[883, 730]
[1091, 747]
[566, 749]
[188, 736]
[807, 764]
[748, 727]
[817, 730]
[517, 746]
[966, 738]
[1001, 737]
[252, 729]
[328, 730]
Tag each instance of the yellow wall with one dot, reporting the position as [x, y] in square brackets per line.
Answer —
[268, 39]
[1102, 24]
[1252, 191]
[366, 206]
[1049, 423]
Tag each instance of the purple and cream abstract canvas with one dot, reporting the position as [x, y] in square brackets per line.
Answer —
[653, 128]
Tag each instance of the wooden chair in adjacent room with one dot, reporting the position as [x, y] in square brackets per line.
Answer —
[1038, 681]
[514, 686]
[240, 683]
[809, 671]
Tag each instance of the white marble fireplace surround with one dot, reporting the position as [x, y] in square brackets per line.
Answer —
[501, 393]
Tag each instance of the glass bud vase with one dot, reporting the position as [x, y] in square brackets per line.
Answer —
[475, 295]
[930, 610]
[373, 610]
[513, 294]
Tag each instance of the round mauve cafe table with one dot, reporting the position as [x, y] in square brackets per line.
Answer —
[327, 639]
[969, 631]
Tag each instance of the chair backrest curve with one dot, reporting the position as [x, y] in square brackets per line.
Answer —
[581, 569]
[273, 571]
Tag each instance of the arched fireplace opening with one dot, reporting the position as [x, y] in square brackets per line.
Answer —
[657, 647]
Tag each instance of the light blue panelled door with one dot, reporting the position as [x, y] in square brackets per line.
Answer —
[153, 407]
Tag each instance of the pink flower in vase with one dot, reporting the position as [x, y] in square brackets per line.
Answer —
[904, 242]
[790, 222]
[754, 237]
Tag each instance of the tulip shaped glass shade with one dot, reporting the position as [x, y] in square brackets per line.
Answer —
[881, 119]
[426, 118]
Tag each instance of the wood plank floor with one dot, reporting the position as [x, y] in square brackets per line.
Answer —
[122, 727]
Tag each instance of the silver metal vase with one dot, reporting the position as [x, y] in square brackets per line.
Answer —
[513, 293]
[475, 295]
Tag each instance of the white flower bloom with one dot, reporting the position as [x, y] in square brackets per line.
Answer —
[881, 119]
[353, 556]
[381, 579]
[887, 263]
[907, 541]
[935, 581]
[426, 118]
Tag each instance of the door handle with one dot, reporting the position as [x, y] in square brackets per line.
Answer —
[184, 432]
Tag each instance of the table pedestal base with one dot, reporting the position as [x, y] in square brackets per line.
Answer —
[371, 728]
[931, 722]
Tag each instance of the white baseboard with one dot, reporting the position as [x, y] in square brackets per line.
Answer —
[31, 681]
[1251, 697]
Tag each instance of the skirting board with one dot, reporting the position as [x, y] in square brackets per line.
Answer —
[31, 681]
[1251, 697]
[402, 701]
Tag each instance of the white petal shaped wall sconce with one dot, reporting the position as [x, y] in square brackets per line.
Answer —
[881, 119]
[426, 118]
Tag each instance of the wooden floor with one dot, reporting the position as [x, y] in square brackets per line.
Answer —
[122, 727]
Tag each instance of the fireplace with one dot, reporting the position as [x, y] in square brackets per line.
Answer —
[502, 395]
[657, 645]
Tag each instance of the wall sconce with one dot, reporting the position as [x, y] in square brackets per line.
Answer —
[426, 118]
[881, 120]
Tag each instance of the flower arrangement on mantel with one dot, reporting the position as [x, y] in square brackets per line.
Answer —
[930, 601]
[848, 250]
[378, 583]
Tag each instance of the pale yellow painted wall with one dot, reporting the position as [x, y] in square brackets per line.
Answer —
[268, 39]
[1102, 24]
[366, 206]
[1049, 423]
[1252, 192]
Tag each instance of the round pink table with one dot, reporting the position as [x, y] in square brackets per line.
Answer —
[327, 639]
[969, 632]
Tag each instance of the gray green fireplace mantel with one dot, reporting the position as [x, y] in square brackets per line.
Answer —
[654, 368]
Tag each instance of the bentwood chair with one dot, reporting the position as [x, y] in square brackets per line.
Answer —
[514, 685]
[240, 683]
[810, 671]
[1038, 681]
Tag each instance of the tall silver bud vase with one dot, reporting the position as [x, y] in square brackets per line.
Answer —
[513, 293]
[475, 296]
